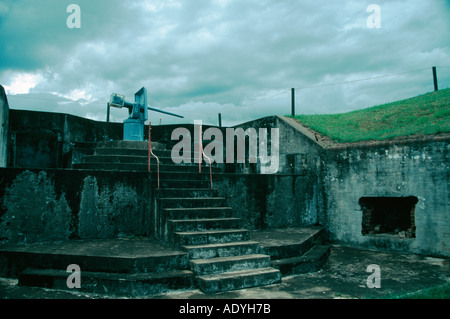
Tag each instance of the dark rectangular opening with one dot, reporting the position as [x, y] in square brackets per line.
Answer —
[389, 215]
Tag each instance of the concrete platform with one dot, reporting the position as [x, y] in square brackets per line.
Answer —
[343, 276]
[289, 242]
[143, 265]
[109, 255]
[137, 255]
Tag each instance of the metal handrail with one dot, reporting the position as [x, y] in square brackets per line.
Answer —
[203, 153]
[210, 168]
[150, 153]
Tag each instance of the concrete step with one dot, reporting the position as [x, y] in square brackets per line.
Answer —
[110, 151]
[288, 243]
[172, 219]
[192, 158]
[142, 255]
[17, 261]
[141, 145]
[125, 159]
[311, 261]
[142, 167]
[222, 249]
[190, 176]
[111, 283]
[138, 159]
[201, 213]
[184, 183]
[192, 202]
[131, 152]
[120, 151]
[211, 237]
[226, 264]
[185, 192]
[202, 224]
[125, 147]
[238, 280]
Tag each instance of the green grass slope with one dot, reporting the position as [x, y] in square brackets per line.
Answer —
[422, 115]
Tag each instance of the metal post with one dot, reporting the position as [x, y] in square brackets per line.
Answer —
[107, 113]
[435, 81]
[150, 153]
[200, 149]
[293, 102]
[220, 119]
[149, 145]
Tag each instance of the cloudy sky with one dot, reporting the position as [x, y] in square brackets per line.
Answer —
[240, 58]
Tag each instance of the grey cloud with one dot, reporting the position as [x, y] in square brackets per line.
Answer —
[207, 56]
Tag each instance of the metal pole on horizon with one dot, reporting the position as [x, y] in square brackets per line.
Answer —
[435, 80]
[293, 102]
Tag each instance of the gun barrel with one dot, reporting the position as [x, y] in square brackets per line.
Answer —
[160, 111]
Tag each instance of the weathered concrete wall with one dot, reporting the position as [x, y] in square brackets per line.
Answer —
[315, 184]
[34, 211]
[298, 153]
[271, 201]
[56, 140]
[345, 173]
[44, 205]
[47, 140]
[301, 158]
[416, 168]
[4, 128]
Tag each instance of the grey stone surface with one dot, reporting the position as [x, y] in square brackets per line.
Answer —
[343, 276]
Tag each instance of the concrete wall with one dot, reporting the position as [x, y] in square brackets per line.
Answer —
[414, 168]
[4, 128]
[56, 140]
[344, 173]
[316, 183]
[48, 140]
[271, 201]
[298, 153]
[42, 205]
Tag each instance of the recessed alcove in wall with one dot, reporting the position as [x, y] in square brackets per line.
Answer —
[389, 215]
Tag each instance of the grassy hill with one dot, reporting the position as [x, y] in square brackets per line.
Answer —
[421, 115]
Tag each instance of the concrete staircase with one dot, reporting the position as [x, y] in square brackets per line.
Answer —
[206, 245]
[131, 156]
[192, 217]
[222, 256]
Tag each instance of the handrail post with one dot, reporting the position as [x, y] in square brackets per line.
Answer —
[201, 153]
[150, 153]
[149, 146]
[210, 169]
[200, 147]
